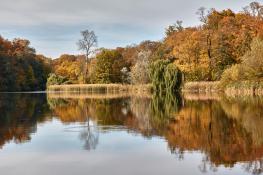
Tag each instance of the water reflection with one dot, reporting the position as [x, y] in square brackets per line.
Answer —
[226, 130]
[19, 114]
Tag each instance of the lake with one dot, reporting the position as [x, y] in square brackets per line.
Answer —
[47, 134]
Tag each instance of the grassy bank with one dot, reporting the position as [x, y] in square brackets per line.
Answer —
[240, 88]
[247, 88]
[100, 88]
[201, 87]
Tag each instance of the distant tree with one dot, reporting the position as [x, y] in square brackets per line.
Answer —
[177, 27]
[140, 71]
[201, 12]
[251, 67]
[255, 9]
[69, 66]
[20, 68]
[126, 75]
[109, 64]
[87, 43]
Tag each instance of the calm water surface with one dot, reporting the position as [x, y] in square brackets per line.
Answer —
[98, 135]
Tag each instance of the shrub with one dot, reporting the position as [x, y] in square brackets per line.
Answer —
[54, 79]
[251, 67]
[253, 59]
[197, 74]
[231, 74]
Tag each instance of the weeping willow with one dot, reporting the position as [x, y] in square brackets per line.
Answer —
[165, 76]
[157, 70]
[164, 108]
[172, 78]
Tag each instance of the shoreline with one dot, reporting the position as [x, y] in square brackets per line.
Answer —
[242, 88]
[100, 88]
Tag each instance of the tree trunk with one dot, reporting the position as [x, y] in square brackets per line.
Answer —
[85, 70]
[209, 48]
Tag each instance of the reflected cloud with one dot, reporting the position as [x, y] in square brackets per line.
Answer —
[227, 131]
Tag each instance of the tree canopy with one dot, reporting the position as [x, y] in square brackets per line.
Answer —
[224, 41]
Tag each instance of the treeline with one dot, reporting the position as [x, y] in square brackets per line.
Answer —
[120, 65]
[202, 52]
[20, 68]
[226, 46]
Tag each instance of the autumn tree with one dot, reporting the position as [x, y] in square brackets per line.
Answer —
[205, 51]
[251, 67]
[20, 68]
[69, 67]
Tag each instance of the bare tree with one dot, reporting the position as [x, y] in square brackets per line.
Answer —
[202, 14]
[174, 28]
[87, 43]
[254, 9]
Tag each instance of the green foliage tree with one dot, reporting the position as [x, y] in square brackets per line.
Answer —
[165, 76]
[172, 78]
[54, 79]
[109, 64]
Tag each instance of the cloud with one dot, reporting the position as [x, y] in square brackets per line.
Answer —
[116, 22]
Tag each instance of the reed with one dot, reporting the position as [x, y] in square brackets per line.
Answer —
[245, 88]
[99, 88]
[95, 96]
[191, 96]
[201, 87]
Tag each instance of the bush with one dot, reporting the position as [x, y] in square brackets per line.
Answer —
[197, 74]
[232, 74]
[251, 67]
[54, 79]
[253, 60]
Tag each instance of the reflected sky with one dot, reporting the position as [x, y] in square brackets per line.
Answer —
[129, 136]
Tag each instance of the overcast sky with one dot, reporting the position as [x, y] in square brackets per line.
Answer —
[53, 26]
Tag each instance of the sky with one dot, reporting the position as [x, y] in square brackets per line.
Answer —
[53, 26]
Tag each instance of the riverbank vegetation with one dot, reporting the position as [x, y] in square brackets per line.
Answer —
[101, 88]
[21, 69]
[227, 46]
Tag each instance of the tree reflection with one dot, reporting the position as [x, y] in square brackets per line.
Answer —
[20, 114]
[227, 130]
[217, 128]
[254, 167]
[91, 136]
